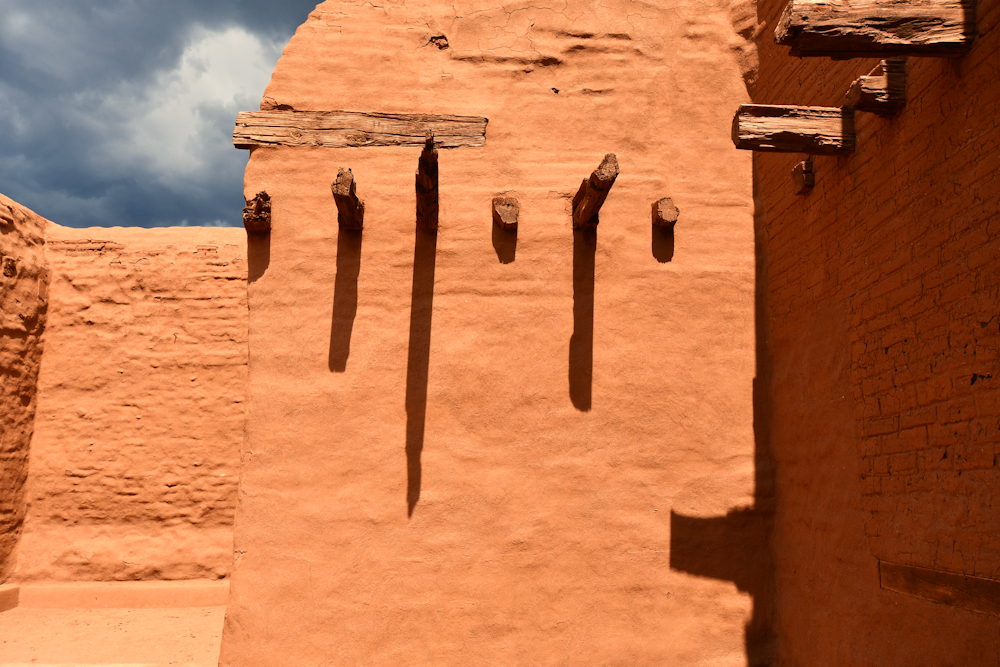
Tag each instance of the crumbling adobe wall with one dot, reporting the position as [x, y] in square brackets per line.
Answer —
[879, 293]
[133, 463]
[431, 474]
[24, 282]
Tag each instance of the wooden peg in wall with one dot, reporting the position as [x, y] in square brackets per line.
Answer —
[350, 209]
[592, 193]
[505, 212]
[803, 177]
[257, 214]
[427, 186]
[665, 214]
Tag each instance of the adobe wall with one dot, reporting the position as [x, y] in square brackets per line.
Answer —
[24, 278]
[134, 460]
[433, 473]
[878, 295]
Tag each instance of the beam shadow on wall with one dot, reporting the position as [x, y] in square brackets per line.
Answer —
[663, 244]
[581, 343]
[258, 255]
[345, 297]
[418, 359]
[505, 244]
[737, 547]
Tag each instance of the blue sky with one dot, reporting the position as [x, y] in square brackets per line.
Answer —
[120, 112]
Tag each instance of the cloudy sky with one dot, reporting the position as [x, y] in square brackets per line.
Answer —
[120, 112]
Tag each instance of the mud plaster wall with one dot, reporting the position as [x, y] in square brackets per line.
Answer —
[133, 463]
[879, 309]
[23, 298]
[393, 371]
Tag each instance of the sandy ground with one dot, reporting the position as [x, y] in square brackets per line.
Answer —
[133, 637]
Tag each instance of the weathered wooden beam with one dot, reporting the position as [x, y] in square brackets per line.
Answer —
[792, 129]
[883, 91]
[506, 211]
[593, 191]
[866, 28]
[350, 209]
[958, 590]
[257, 214]
[665, 214]
[803, 177]
[340, 129]
[427, 185]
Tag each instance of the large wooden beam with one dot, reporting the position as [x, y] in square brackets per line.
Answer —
[791, 129]
[593, 191]
[341, 129]
[866, 28]
[883, 91]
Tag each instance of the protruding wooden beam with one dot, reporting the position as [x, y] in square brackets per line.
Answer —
[339, 129]
[9, 267]
[350, 209]
[867, 28]
[257, 214]
[665, 214]
[803, 177]
[427, 185]
[792, 129]
[505, 212]
[592, 193]
[883, 91]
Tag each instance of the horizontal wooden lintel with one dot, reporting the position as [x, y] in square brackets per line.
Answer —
[794, 129]
[958, 590]
[344, 129]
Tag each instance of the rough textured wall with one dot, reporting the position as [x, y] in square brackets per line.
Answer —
[882, 334]
[562, 513]
[133, 466]
[23, 298]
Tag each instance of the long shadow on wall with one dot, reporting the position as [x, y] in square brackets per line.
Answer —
[581, 344]
[737, 547]
[258, 255]
[418, 360]
[345, 297]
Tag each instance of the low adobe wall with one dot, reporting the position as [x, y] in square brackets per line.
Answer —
[139, 420]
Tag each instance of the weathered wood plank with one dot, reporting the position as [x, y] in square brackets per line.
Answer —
[593, 191]
[350, 209]
[794, 129]
[340, 129]
[257, 214]
[866, 28]
[427, 185]
[958, 590]
[883, 91]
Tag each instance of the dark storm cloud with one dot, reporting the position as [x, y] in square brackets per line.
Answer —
[117, 112]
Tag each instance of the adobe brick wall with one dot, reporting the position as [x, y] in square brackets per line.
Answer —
[879, 295]
[134, 461]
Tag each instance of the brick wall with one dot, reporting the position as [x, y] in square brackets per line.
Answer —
[880, 292]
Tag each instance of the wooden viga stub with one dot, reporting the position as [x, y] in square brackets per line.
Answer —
[794, 129]
[867, 28]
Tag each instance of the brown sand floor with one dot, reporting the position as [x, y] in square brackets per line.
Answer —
[122, 637]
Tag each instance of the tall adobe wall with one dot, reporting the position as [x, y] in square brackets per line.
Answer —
[431, 474]
[134, 458]
[879, 309]
[24, 283]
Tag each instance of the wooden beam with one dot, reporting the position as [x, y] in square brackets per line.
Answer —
[350, 209]
[257, 214]
[665, 214]
[803, 177]
[427, 186]
[592, 193]
[883, 91]
[506, 211]
[792, 129]
[957, 590]
[342, 129]
[866, 28]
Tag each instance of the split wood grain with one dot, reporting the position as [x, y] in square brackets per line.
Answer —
[665, 214]
[794, 129]
[506, 211]
[883, 91]
[593, 191]
[866, 28]
[350, 209]
[340, 129]
[427, 185]
[257, 214]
